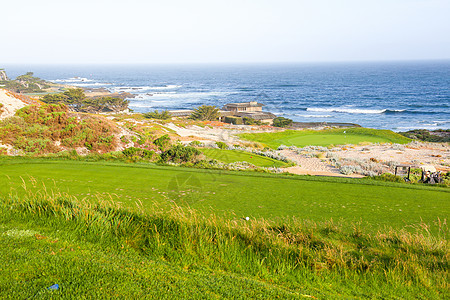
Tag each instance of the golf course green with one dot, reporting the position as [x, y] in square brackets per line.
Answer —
[302, 138]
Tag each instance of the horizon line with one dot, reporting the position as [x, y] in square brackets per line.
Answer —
[233, 63]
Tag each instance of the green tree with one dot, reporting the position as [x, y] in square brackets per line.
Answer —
[54, 98]
[282, 122]
[205, 113]
[75, 95]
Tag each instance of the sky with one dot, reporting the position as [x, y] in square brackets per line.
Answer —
[226, 31]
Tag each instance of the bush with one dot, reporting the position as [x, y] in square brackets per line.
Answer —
[195, 144]
[388, 177]
[162, 142]
[234, 120]
[180, 154]
[221, 145]
[138, 152]
[250, 121]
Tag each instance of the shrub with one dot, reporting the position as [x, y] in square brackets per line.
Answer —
[162, 142]
[221, 145]
[388, 177]
[348, 170]
[195, 144]
[250, 121]
[234, 120]
[179, 154]
[138, 152]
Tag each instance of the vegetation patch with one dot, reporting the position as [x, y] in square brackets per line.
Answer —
[26, 83]
[301, 138]
[435, 136]
[76, 100]
[44, 129]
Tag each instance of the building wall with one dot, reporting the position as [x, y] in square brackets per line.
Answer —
[254, 108]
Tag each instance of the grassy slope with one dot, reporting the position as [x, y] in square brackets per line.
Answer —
[301, 138]
[236, 194]
[230, 156]
[100, 251]
[97, 270]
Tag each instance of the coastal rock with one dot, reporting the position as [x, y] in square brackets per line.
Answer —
[3, 76]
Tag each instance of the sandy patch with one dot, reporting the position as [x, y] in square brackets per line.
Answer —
[10, 104]
[415, 154]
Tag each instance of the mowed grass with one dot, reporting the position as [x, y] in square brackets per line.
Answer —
[234, 194]
[302, 138]
[231, 156]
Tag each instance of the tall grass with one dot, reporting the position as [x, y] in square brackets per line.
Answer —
[290, 252]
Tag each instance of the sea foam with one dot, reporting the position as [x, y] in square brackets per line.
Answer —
[347, 110]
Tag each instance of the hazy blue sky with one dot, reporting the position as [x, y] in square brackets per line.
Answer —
[174, 31]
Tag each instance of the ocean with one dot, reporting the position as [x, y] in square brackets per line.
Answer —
[391, 95]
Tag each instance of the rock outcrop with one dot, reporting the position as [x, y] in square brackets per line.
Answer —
[3, 76]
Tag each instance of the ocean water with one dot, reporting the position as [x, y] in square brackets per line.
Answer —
[396, 95]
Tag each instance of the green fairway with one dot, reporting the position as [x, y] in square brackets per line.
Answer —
[227, 193]
[231, 156]
[301, 138]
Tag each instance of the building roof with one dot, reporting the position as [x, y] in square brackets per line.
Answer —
[245, 104]
[181, 113]
[257, 115]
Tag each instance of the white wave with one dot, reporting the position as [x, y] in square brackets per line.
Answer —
[73, 79]
[191, 97]
[421, 126]
[143, 105]
[347, 110]
[166, 87]
[90, 84]
[313, 116]
[140, 89]
[129, 89]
